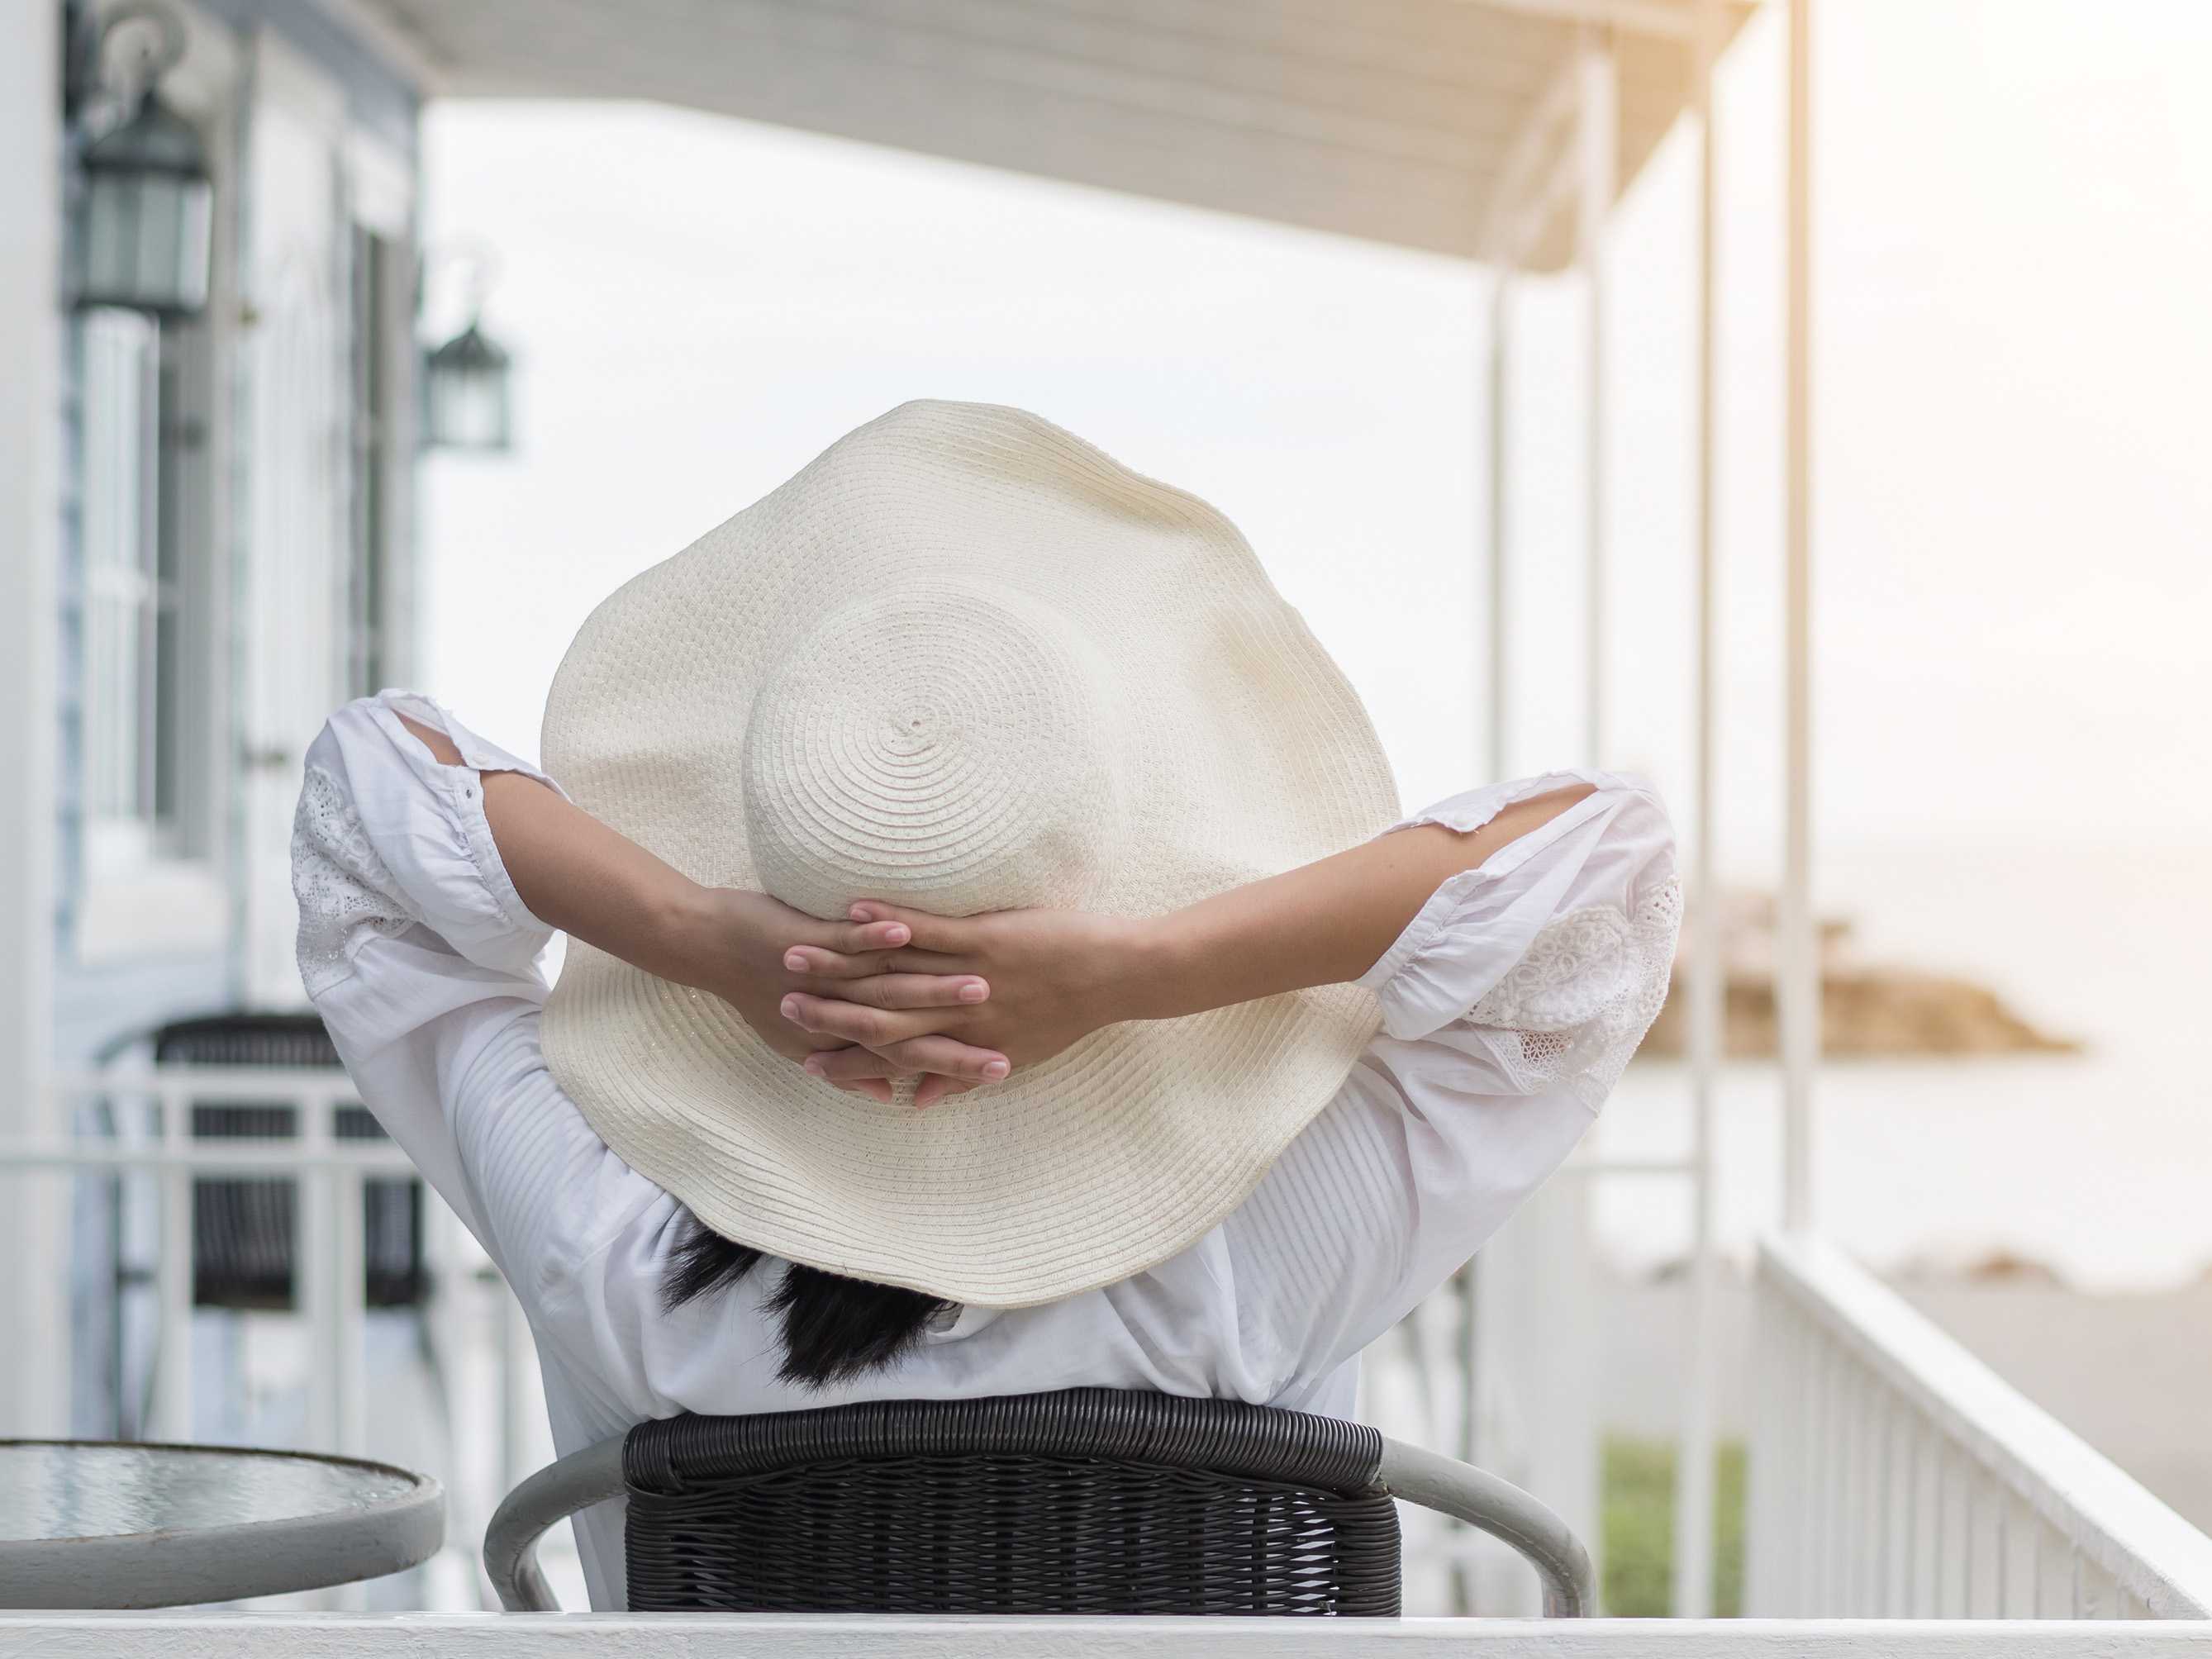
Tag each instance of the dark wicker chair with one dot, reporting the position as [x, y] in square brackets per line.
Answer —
[1086, 1501]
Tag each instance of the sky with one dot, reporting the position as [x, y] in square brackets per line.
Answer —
[2013, 508]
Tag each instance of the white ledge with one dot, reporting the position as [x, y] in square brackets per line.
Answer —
[632, 1636]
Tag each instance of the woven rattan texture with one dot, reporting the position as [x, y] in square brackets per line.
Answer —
[1087, 1501]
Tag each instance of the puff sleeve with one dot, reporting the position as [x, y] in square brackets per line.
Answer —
[1510, 1004]
[412, 943]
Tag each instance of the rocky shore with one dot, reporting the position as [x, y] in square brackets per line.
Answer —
[1868, 1009]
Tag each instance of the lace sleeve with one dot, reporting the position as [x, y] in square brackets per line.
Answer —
[1573, 1009]
[388, 839]
[1541, 969]
[343, 889]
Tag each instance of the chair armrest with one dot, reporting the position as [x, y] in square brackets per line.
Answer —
[555, 1493]
[1500, 1508]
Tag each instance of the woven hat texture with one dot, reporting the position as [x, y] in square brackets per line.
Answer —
[962, 661]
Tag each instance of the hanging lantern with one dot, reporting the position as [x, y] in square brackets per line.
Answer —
[465, 393]
[147, 230]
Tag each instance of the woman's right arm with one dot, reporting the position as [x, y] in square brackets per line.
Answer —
[578, 875]
[430, 869]
[413, 944]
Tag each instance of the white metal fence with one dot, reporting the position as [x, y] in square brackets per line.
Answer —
[1895, 1475]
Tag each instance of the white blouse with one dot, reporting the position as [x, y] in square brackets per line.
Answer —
[1509, 1004]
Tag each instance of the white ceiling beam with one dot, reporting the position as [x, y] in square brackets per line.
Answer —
[1427, 123]
[1652, 17]
[1531, 162]
[1523, 227]
[837, 42]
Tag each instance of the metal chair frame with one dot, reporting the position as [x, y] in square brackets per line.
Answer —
[1409, 1473]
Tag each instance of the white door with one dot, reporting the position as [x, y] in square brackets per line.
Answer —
[296, 363]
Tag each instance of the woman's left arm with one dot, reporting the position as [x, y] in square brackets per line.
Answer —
[1057, 976]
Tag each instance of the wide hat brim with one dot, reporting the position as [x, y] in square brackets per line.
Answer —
[1238, 751]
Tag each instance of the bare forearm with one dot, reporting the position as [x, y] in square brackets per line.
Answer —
[1321, 924]
[576, 874]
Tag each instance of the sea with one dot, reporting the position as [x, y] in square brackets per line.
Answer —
[2095, 1165]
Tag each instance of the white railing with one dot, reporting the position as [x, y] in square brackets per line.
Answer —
[327, 1255]
[474, 1324]
[1892, 1476]
[1895, 1475]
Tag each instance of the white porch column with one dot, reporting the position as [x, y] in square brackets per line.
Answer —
[1598, 134]
[1693, 1462]
[1500, 364]
[1796, 957]
[31, 1293]
[1775, 1549]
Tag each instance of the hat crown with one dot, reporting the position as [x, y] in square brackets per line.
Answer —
[939, 744]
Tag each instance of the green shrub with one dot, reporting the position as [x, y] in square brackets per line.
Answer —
[1638, 1521]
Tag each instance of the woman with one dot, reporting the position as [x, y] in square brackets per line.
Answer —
[930, 1026]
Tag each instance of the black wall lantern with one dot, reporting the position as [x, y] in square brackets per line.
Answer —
[466, 404]
[465, 393]
[145, 230]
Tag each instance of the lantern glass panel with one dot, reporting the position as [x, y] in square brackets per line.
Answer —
[468, 405]
[148, 237]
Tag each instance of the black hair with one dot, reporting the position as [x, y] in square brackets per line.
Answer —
[835, 1329]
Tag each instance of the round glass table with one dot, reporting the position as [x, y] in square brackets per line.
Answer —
[103, 1524]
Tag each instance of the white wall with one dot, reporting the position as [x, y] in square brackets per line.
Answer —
[30, 230]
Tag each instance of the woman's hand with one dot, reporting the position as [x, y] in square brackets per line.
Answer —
[1050, 977]
[752, 952]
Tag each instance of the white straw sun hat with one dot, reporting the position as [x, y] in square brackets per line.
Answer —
[962, 661]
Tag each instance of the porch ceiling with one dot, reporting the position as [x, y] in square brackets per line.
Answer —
[1394, 120]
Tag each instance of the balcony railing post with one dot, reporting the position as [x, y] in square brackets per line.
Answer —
[1770, 1430]
[1887, 1488]
[171, 1416]
[348, 1268]
[315, 1284]
[1808, 1503]
[1914, 1432]
[1947, 1557]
